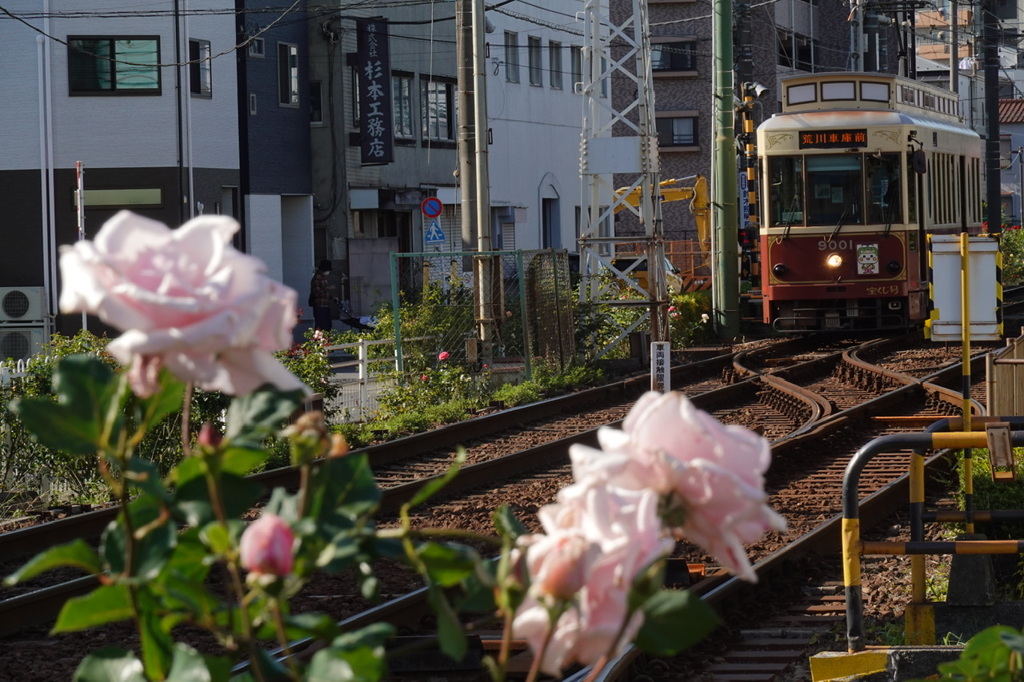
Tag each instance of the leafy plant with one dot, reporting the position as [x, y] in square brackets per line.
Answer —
[689, 319]
[512, 395]
[1011, 243]
[310, 362]
[996, 653]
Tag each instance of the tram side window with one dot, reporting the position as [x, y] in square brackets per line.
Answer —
[787, 190]
[834, 194]
[884, 204]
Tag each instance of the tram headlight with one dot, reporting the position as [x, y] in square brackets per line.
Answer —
[834, 260]
[779, 269]
[894, 266]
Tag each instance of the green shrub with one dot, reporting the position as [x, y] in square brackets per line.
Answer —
[28, 466]
[523, 393]
[689, 319]
[1011, 243]
[552, 379]
[310, 362]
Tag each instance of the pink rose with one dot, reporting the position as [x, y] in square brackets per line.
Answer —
[184, 299]
[713, 473]
[557, 563]
[266, 546]
[597, 539]
[442, 356]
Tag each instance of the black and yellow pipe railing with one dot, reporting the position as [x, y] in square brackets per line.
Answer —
[984, 432]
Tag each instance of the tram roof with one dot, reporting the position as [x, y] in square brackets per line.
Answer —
[868, 92]
[824, 120]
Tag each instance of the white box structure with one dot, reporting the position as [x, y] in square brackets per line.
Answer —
[985, 286]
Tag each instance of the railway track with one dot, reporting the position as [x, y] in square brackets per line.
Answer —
[794, 392]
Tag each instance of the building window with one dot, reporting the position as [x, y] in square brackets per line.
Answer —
[316, 103]
[257, 48]
[676, 131]
[533, 53]
[437, 110]
[555, 64]
[797, 51]
[119, 66]
[784, 42]
[287, 75]
[576, 54]
[401, 99]
[677, 55]
[804, 53]
[200, 69]
[511, 56]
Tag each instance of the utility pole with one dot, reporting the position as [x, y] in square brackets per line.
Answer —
[725, 183]
[474, 178]
[485, 278]
[954, 47]
[992, 194]
[1020, 186]
[467, 136]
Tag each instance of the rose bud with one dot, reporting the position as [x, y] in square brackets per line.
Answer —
[266, 546]
[209, 436]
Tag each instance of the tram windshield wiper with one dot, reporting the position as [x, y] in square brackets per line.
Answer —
[839, 225]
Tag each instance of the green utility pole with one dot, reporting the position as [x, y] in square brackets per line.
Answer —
[725, 183]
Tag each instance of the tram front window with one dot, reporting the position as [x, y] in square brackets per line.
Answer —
[787, 190]
[834, 194]
[884, 205]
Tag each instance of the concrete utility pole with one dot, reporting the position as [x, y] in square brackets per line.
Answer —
[474, 177]
[485, 266]
[725, 183]
[467, 136]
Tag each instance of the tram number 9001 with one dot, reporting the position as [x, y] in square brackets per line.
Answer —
[836, 245]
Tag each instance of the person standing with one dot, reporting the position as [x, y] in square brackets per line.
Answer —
[321, 295]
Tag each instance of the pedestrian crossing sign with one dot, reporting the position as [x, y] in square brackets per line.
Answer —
[434, 234]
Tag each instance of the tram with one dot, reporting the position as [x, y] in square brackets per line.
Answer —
[855, 174]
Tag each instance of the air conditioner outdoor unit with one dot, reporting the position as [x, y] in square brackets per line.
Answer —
[21, 343]
[22, 304]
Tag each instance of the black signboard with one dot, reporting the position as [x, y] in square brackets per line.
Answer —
[374, 64]
[830, 139]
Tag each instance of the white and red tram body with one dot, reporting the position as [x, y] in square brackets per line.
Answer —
[855, 173]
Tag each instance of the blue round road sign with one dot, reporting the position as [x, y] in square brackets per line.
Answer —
[432, 207]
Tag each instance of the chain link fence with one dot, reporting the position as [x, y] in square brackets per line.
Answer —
[495, 310]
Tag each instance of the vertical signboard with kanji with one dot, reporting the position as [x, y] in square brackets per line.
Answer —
[374, 64]
[661, 378]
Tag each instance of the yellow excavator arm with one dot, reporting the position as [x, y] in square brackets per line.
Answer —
[676, 190]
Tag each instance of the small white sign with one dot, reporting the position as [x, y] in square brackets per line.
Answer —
[660, 365]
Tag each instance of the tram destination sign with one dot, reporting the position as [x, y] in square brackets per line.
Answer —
[830, 139]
